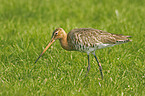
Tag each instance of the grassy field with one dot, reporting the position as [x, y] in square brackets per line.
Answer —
[26, 27]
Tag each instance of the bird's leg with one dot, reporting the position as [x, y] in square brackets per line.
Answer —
[88, 64]
[88, 68]
[100, 67]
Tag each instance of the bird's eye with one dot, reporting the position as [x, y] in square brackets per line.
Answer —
[56, 33]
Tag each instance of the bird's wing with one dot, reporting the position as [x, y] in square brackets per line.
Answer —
[91, 37]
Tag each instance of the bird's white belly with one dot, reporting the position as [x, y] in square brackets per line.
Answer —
[100, 46]
[90, 49]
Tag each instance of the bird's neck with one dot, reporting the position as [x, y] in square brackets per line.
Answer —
[64, 43]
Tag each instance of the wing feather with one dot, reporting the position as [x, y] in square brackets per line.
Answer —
[90, 37]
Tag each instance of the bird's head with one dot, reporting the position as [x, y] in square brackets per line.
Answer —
[57, 34]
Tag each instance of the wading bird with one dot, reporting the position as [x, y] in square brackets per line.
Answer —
[86, 40]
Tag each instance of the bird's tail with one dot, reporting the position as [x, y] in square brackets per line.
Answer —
[123, 39]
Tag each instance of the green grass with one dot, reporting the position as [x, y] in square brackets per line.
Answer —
[25, 30]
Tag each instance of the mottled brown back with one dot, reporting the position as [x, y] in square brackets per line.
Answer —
[91, 37]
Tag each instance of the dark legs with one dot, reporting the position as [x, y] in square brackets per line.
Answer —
[88, 64]
[88, 68]
[100, 67]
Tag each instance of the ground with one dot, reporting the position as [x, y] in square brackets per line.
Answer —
[26, 27]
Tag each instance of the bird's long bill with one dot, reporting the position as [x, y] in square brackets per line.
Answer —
[45, 49]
